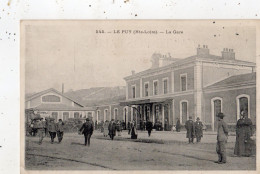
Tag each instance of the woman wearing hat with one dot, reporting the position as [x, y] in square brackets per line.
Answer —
[243, 133]
[198, 129]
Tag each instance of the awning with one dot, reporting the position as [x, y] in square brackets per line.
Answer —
[137, 102]
[146, 101]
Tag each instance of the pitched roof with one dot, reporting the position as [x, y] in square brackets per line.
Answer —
[242, 79]
[204, 58]
[51, 90]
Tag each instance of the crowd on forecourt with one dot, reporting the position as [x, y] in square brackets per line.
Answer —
[244, 132]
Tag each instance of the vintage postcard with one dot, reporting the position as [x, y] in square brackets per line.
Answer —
[128, 95]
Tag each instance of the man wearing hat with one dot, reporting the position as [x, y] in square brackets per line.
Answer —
[112, 129]
[221, 139]
[198, 129]
[189, 125]
[52, 129]
[87, 130]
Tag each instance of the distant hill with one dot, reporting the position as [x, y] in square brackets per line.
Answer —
[98, 96]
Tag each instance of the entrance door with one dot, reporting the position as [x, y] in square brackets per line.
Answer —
[166, 117]
[217, 109]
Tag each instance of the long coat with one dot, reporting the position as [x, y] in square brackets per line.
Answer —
[105, 126]
[178, 125]
[189, 125]
[198, 129]
[149, 125]
[243, 134]
[112, 128]
[87, 128]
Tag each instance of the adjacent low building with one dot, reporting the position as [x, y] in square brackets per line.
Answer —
[52, 103]
[199, 86]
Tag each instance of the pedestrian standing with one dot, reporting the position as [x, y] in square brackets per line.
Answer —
[52, 129]
[133, 130]
[105, 126]
[119, 128]
[40, 126]
[221, 139]
[189, 125]
[198, 129]
[87, 130]
[112, 129]
[243, 133]
[178, 125]
[60, 130]
[149, 127]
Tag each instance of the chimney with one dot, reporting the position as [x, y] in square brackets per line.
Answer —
[203, 51]
[155, 60]
[228, 54]
[133, 72]
[62, 91]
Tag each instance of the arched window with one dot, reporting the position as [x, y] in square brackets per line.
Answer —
[51, 98]
[184, 113]
[243, 104]
[116, 114]
[98, 115]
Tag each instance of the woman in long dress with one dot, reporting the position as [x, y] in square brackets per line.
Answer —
[243, 146]
[105, 126]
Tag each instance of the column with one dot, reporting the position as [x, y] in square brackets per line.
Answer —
[198, 89]
[132, 114]
[126, 91]
[152, 112]
[172, 81]
[173, 113]
[110, 112]
[141, 88]
[162, 116]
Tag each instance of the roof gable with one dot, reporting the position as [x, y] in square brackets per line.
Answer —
[52, 90]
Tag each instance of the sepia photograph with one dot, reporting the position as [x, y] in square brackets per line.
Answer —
[164, 95]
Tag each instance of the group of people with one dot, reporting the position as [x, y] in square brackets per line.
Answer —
[49, 126]
[244, 132]
[194, 130]
[111, 127]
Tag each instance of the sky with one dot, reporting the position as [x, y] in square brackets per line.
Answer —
[73, 53]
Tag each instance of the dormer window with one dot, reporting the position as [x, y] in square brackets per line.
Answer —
[51, 99]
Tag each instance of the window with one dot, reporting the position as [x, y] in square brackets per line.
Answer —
[243, 105]
[98, 115]
[183, 111]
[133, 91]
[105, 115]
[155, 87]
[146, 89]
[65, 116]
[165, 86]
[76, 114]
[51, 98]
[116, 114]
[183, 82]
[54, 115]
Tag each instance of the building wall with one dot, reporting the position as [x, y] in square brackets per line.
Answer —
[190, 78]
[229, 104]
[213, 73]
[177, 100]
[130, 93]
[160, 78]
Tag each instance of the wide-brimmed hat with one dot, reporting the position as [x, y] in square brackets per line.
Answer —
[220, 115]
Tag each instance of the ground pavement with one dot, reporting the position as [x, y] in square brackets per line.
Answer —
[162, 151]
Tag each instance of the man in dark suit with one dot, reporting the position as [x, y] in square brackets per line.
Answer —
[112, 129]
[149, 127]
[189, 125]
[221, 139]
[87, 130]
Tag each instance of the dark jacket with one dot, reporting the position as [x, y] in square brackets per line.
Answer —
[189, 125]
[87, 128]
[112, 128]
[52, 127]
[149, 125]
[198, 129]
[60, 127]
[222, 131]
